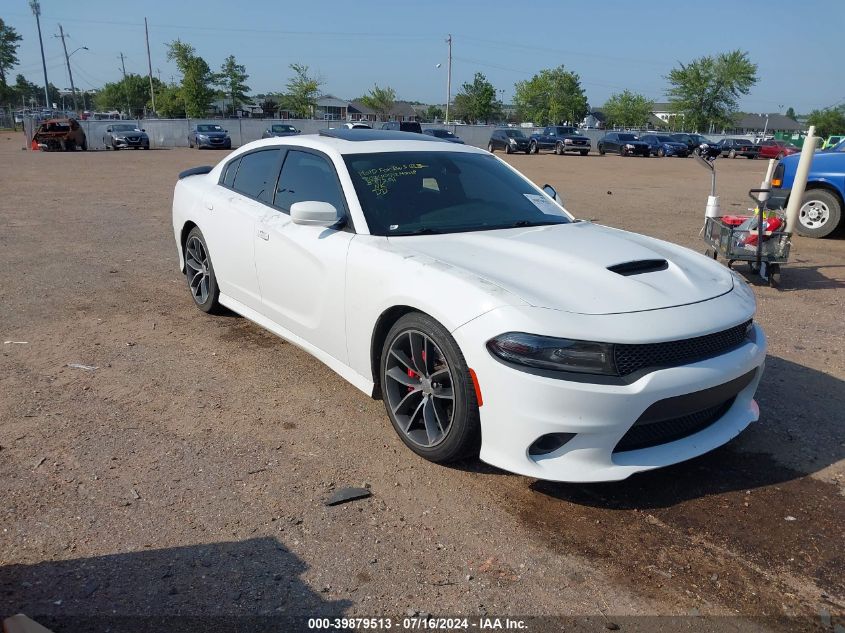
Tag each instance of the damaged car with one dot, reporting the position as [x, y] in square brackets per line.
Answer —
[60, 135]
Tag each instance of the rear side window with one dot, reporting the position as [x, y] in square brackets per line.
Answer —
[257, 173]
[309, 177]
[229, 175]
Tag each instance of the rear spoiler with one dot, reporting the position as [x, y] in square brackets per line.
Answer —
[195, 171]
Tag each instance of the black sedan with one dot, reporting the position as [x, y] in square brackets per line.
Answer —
[209, 135]
[280, 129]
[125, 135]
[509, 140]
[444, 135]
[624, 143]
[696, 143]
[733, 147]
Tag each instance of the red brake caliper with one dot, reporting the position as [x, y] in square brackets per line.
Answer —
[413, 374]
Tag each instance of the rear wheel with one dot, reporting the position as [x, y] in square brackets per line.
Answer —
[661, 152]
[732, 153]
[820, 213]
[428, 392]
[200, 273]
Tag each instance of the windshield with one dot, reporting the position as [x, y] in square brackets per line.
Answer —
[565, 130]
[123, 128]
[514, 134]
[442, 133]
[406, 193]
[281, 128]
[209, 128]
[627, 137]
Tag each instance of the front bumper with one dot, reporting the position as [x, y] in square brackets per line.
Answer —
[576, 148]
[123, 142]
[520, 407]
[215, 143]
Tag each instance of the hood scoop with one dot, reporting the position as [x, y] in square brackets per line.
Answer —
[639, 267]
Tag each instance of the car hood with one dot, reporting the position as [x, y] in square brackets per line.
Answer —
[213, 134]
[565, 267]
[123, 133]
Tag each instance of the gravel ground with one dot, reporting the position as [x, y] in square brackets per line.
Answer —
[185, 475]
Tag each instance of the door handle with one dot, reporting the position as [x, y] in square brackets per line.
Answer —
[264, 235]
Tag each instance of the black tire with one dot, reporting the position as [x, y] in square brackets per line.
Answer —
[508, 149]
[601, 150]
[462, 437]
[622, 151]
[209, 303]
[816, 227]
[532, 147]
[559, 148]
[85, 145]
[584, 152]
[490, 148]
[660, 152]
[732, 153]
[527, 151]
[108, 147]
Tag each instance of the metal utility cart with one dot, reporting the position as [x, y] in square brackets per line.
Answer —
[744, 243]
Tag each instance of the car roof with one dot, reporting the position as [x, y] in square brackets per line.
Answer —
[344, 141]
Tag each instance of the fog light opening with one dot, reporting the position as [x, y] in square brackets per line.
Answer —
[549, 443]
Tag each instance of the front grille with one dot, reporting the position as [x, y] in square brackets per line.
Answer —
[645, 434]
[631, 358]
[580, 142]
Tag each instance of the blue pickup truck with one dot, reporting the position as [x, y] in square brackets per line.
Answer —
[560, 139]
[824, 198]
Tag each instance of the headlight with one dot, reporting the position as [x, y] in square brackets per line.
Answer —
[202, 136]
[561, 354]
[512, 141]
[629, 146]
[567, 141]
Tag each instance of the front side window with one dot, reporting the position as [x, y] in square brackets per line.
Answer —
[257, 174]
[514, 134]
[307, 177]
[406, 193]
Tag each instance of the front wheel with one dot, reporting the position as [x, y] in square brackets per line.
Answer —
[820, 213]
[661, 152]
[732, 153]
[559, 149]
[508, 149]
[428, 391]
[200, 273]
[532, 148]
[601, 150]
[622, 151]
[490, 148]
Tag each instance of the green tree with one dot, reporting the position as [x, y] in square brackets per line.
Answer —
[133, 93]
[381, 100]
[169, 102]
[9, 39]
[476, 102]
[790, 112]
[628, 109]
[553, 95]
[231, 80]
[195, 89]
[706, 91]
[433, 113]
[25, 91]
[828, 121]
[303, 90]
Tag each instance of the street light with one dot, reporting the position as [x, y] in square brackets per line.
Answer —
[70, 74]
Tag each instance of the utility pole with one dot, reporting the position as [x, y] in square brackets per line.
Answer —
[69, 73]
[150, 65]
[448, 78]
[36, 10]
[125, 87]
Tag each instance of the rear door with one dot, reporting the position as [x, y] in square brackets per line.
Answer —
[302, 269]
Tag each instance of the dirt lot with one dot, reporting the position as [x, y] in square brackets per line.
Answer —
[186, 474]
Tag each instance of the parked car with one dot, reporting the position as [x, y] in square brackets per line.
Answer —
[695, 143]
[357, 125]
[209, 135]
[60, 135]
[624, 143]
[560, 139]
[733, 147]
[664, 145]
[280, 129]
[429, 274]
[126, 135]
[775, 148]
[833, 141]
[403, 126]
[444, 135]
[508, 139]
[824, 198]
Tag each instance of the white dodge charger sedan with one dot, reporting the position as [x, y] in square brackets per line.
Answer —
[490, 321]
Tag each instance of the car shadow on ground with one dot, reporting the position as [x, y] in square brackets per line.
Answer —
[250, 585]
[799, 433]
[793, 277]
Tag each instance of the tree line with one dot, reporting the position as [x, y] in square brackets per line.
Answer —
[703, 94]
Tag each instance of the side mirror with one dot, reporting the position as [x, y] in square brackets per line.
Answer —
[314, 213]
[552, 193]
[143, 130]
[226, 131]
[108, 130]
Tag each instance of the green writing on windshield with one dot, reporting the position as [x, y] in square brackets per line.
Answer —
[379, 179]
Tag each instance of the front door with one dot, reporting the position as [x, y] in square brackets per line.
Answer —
[302, 269]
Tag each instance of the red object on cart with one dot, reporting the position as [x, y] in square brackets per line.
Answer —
[734, 220]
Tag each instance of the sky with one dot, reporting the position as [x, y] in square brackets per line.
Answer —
[613, 45]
